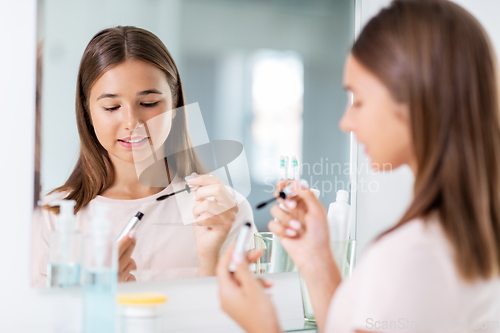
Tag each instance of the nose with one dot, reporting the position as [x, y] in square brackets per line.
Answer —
[130, 120]
[347, 123]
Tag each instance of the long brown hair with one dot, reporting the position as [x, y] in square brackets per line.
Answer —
[94, 172]
[436, 57]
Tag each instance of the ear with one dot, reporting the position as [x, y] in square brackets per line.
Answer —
[403, 112]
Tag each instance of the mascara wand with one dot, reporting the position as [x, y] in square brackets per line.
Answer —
[283, 193]
[187, 189]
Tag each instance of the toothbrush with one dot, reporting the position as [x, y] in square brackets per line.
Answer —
[295, 168]
[284, 167]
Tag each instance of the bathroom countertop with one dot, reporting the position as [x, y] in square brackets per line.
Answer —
[193, 304]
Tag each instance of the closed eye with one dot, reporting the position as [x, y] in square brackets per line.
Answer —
[112, 108]
[149, 105]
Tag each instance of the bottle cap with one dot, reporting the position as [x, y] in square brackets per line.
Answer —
[342, 196]
[66, 220]
[141, 299]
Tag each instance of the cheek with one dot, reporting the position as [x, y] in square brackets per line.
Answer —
[368, 126]
[105, 129]
[393, 144]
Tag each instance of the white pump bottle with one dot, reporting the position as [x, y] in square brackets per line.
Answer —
[338, 217]
[65, 248]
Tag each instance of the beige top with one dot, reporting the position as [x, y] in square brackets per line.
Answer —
[165, 248]
[407, 282]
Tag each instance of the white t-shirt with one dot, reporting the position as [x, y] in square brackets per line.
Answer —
[407, 282]
[165, 248]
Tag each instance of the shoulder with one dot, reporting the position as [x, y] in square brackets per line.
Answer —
[410, 271]
[418, 238]
[45, 217]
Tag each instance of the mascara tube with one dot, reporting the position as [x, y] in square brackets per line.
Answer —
[132, 224]
[239, 249]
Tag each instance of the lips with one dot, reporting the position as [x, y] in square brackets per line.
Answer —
[133, 142]
[134, 139]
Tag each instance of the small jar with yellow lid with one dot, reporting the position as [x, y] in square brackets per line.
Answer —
[141, 312]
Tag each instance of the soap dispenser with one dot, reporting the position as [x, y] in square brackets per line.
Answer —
[100, 275]
[65, 248]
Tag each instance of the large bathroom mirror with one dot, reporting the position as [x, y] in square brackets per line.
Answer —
[262, 83]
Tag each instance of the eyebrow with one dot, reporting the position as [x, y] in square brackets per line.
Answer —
[142, 93]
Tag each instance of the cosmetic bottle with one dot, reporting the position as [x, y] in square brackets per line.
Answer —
[65, 248]
[338, 217]
[342, 247]
[141, 312]
[100, 275]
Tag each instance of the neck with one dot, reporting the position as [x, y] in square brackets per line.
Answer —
[126, 184]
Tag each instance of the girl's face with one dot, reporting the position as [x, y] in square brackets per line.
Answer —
[378, 120]
[124, 98]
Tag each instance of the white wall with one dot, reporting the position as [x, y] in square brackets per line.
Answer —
[17, 100]
[379, 210]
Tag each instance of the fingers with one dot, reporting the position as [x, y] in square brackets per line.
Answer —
[202, 180]
[218, 191]
[254, 255]
[127, 253]
[264, 283]
[243, 275]
[125, 242]
[131, 278]
[207, 206]
[281, 185]
[308, 198]
[292, 225]
[225, 219]
[130, 266]
[222, 270]
[125, 262]
[277, 229]
[123, 274]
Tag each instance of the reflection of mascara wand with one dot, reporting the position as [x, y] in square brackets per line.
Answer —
[187, 189]
[283, 193]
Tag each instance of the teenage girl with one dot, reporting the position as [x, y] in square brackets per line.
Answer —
[126, 78]
[423, 77]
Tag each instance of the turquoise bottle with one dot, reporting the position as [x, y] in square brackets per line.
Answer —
[65, 248]
[100, 275]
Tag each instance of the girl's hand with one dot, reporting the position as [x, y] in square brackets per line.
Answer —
[214, 212]
[242, 296]
[303, 230]
[125, 262]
